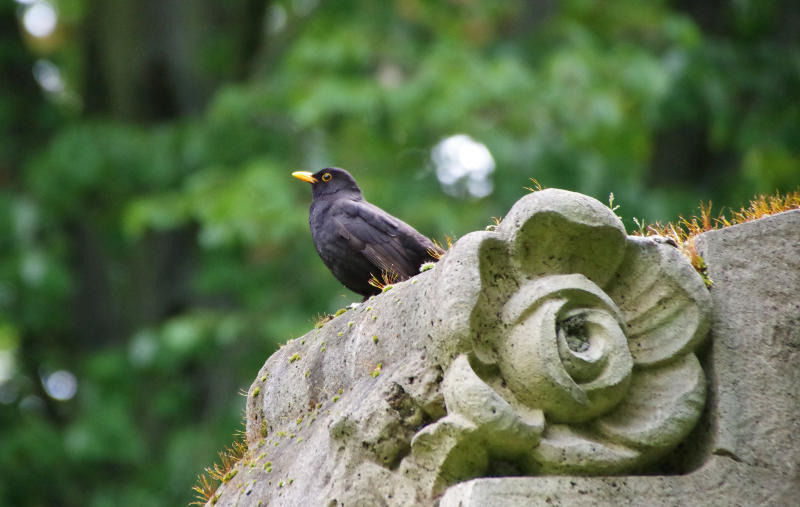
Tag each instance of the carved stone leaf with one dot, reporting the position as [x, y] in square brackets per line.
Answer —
[480, 425]
[663, 300]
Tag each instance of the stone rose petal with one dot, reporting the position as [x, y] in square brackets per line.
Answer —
[559, 232]
[664, 302]
[662, 406]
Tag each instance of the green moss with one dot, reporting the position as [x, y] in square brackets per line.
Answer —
[256, 391]
[374, 338]
[377, 370]
[294, 358]
[700, 266]
[350, 324]
[339, 312]
[230, 475]
[336, 398]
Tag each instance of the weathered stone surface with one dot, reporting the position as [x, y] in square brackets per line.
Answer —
[554, 344]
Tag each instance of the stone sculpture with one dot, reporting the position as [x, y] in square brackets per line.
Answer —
[553, 344]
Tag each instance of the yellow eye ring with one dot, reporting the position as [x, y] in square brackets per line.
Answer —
[326, 177]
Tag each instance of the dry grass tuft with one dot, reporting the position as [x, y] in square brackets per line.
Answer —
[535, 187]
[220, 472]
[438, 251]
[684, 232]
[387, 278]
[321, 319]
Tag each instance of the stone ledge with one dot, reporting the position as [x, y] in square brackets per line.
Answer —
[721, 482]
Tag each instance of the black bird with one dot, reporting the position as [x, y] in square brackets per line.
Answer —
[357, 240]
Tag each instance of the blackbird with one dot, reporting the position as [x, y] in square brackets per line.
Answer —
[357, 240]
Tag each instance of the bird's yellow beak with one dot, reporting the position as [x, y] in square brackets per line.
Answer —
[305, 176]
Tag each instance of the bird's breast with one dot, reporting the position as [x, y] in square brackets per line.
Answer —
[325, 233]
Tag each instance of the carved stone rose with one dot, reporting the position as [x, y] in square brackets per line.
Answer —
[577, 354]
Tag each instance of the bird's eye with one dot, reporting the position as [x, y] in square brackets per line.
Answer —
[326, 177]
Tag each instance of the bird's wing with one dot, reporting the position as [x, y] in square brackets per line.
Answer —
[390, 244]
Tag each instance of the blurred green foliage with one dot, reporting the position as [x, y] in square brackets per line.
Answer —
[153, 244]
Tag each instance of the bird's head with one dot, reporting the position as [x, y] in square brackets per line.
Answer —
[330, 181]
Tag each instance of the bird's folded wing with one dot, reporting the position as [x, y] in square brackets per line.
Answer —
[381, 238]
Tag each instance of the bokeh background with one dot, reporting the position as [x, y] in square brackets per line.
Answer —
[154, 249]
